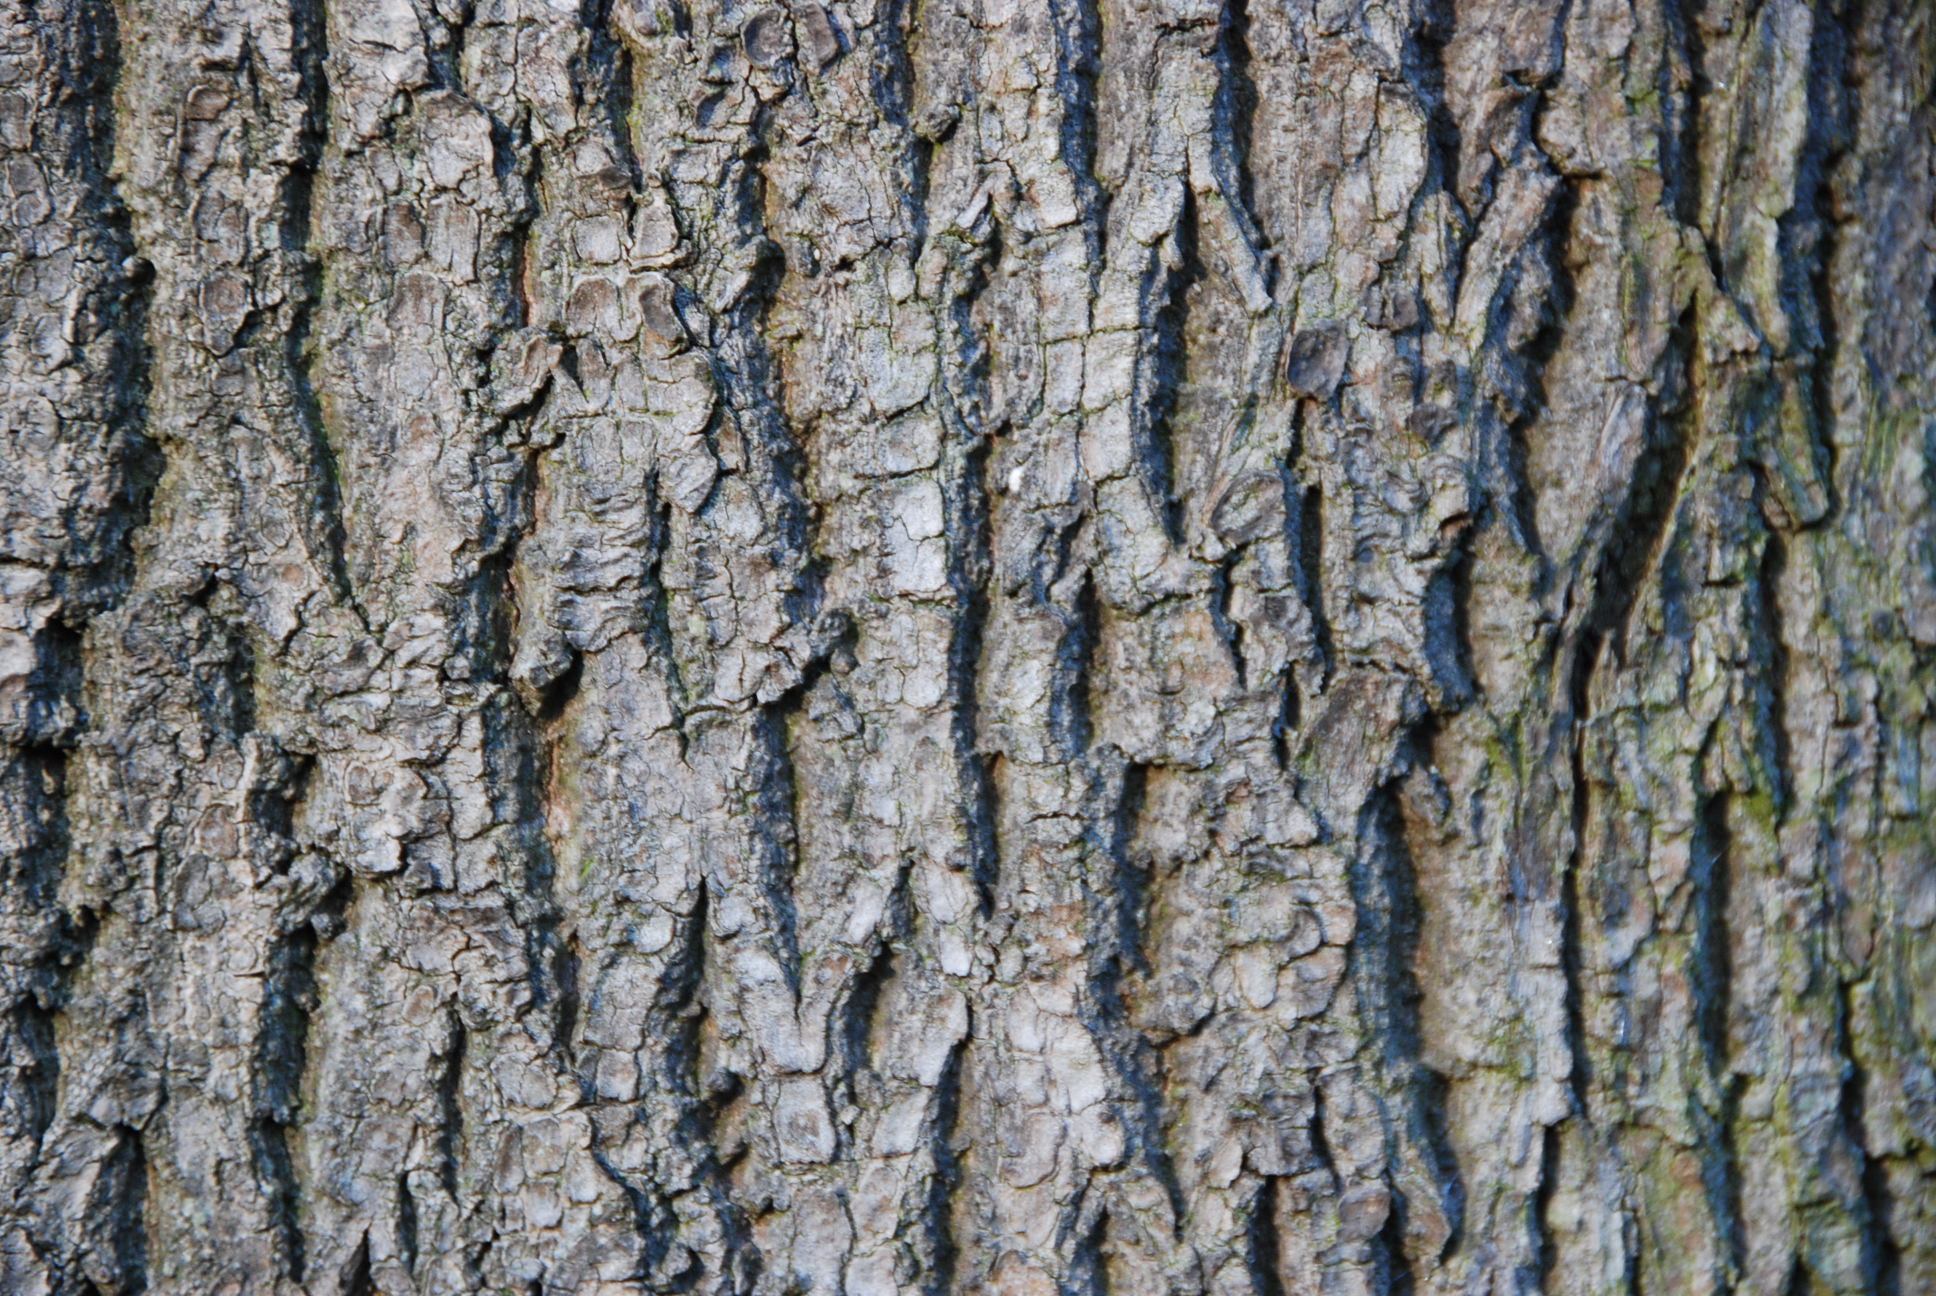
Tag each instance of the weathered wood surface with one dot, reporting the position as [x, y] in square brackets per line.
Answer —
[1020, 646]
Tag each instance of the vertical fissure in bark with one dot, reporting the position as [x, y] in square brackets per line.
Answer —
[357, 1279]
[970, 563]
[892, 73]
[127, 297]
[530, 734]
[856, 1025]
[1447, 638]
[1681, 85]
[71, 142]
[39, 770]
[556, 956]
[1078, 41]
[1572, 953]
[700, 1100]
[1230, 122]
[1229, 633]
[1070, 719]
[1115, 898]
[750, 375]
[540, 919]
[1711, 879]
[1809, 236]
[1383, 962]
[309, 29]
[119, 1214]
[778, 817]
[604, 75]
[945, 1176]
[1518, 377]
[650, 1220]
[1882, 1256]
[1284, 725]
[1633, 542]
[450, 1102]
[1303, 582]
[35, 1092]
[1769, 684]
[1129, 889]
[1390, 1261]
[513, 154]
[1639, 535]
[1089, 1261]
[1305, 510]
[1263, 1253]
[289, 1002]
[443, 36]
[1160, 367]
[554, 703]
[891, 70]
[963, 395]
[1425, 71]
[406, 1208]
[1317, 1131]
[568, 962]
[86, 59]
[652, 1216]
[1552, 1145]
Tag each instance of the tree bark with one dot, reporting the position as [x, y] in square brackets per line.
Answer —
[929, 646]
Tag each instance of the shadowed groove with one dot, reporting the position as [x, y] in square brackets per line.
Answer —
[281, 1059]
[1160, 370]
[604, 75]
[118, 1213]
[71, 150]
[696, 1104]
[1070, 718]
[1711, 875]
[945, 1176]
[1305, 510]
[776, 814]
[892, 73]
[1383, 962]
[1230, 120]
[450, 1102]
[1077, 26]
[1116, 900]
[1261, 1257]
[310, 49]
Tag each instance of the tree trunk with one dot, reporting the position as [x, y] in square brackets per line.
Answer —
[954, 646]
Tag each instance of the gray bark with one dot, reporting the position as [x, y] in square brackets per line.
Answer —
[1021, 646]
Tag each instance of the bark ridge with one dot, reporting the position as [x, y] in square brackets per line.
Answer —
[1160, 647]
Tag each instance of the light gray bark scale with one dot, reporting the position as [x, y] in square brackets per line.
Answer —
[1161, 647]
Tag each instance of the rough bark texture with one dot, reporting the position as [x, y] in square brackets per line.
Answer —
[1023, 646]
